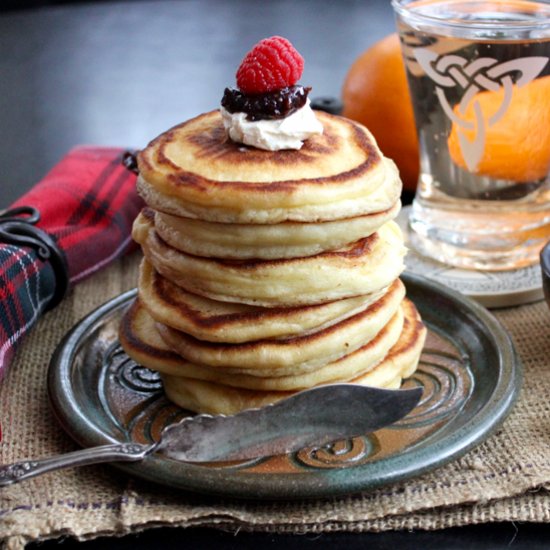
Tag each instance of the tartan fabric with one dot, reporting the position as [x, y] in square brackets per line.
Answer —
[87, 203]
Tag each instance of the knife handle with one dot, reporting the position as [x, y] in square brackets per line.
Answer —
[118, 452]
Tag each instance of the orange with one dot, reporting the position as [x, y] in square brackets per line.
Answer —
[375, 93]
[517, 147]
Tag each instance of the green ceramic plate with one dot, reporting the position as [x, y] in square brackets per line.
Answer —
[469, 372]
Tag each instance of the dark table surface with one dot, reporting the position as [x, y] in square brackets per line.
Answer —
[119, 73]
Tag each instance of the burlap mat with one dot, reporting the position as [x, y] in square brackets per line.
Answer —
[505, 478]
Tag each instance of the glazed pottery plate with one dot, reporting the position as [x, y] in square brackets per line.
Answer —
[468, 370]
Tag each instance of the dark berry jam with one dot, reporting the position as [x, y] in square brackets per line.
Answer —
[271, 105]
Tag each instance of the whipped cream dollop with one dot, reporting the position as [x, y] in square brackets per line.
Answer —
[273, 134]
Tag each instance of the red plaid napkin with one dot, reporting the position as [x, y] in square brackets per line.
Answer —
[87, 203]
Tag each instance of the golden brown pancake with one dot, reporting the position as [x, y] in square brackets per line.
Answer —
[142, 342]
[298, 354]
[266, 241]
[213, 398]
[267, 272]
[365, 266]
[402, 360]
[216, 321]
[194, 170]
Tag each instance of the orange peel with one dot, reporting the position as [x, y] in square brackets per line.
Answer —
[376, 94]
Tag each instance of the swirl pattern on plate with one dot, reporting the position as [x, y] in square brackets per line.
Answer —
[447, 383]
[131, 375]
[340, 454]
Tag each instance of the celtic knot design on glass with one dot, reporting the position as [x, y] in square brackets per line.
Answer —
[473, 77]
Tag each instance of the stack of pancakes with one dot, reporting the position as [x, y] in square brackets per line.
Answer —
[268, 272]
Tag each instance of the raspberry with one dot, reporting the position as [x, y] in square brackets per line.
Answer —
[272, 64]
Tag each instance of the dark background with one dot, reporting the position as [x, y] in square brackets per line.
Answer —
[119, 73]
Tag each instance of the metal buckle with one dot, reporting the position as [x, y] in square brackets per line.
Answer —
[17, 227]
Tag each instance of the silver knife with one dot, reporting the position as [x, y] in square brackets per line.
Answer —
[313, 417]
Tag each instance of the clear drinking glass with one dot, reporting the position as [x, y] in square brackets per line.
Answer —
[479, 76]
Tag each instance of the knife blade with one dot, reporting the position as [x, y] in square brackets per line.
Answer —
[313, 417]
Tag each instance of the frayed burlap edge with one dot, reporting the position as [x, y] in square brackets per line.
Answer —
[531, 507]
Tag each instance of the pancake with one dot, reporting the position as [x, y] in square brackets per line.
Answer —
[139, 338]
[213, 398]
[195, 171]
[142, 342]
[402, 360]
[298, 354]
[216, 321]
[366, 266]
[281, 240]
